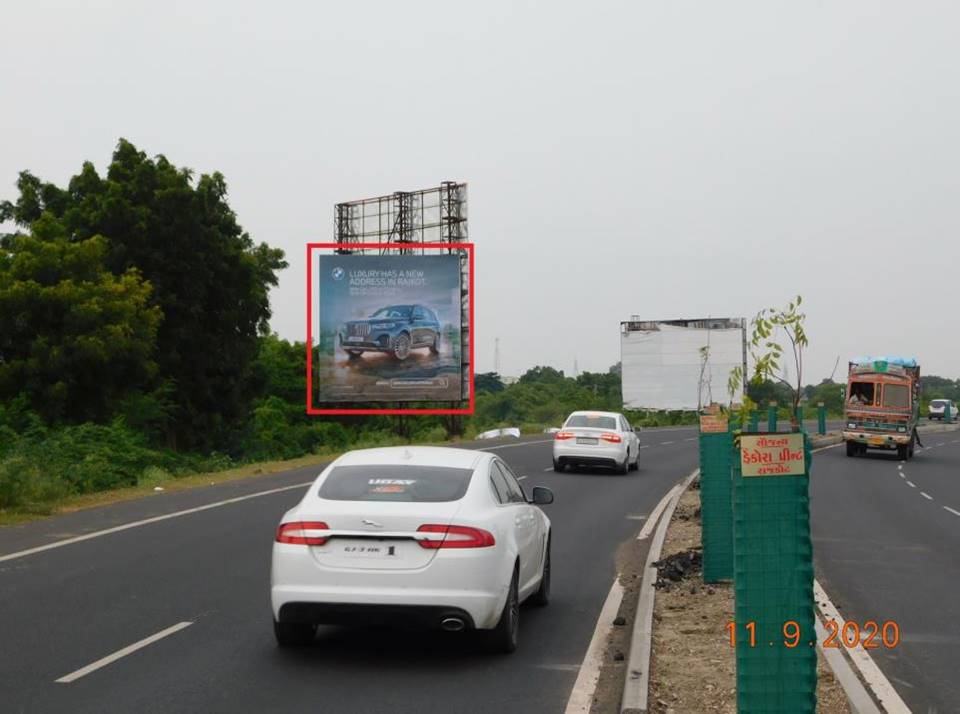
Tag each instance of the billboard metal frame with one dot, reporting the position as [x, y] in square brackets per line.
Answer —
[384, 248]
[635, 324]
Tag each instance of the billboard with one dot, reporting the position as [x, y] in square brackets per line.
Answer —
[663, 367]
[388, 329]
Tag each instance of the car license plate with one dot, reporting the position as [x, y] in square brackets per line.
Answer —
[586, 440]
[379, 550]
[877, 440]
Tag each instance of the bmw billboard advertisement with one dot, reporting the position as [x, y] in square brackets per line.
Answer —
[389, 328]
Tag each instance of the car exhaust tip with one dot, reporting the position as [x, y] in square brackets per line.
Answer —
[452, 624]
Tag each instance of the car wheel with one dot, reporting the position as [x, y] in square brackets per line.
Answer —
[625, 467]
[401, 346]
[541, 598]
[435, 347]
[503, 638]
[558, 466]
[354, 353]
[635, 466]
[294, 634]
[851, 449]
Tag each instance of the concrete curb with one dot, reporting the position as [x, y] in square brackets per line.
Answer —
[636, 684]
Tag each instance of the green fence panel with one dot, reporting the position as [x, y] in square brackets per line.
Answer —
[773, 587]
[716, 506]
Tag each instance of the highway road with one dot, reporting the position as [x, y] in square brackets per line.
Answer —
[887, 547]
[886, 539]
[65, 608]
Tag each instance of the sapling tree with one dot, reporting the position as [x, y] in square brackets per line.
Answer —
[770, 357]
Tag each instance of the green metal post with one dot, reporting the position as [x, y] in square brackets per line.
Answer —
[773, 591]
[799, 416]
[716, 504]
[754, 420]
[772, 417]
[947, 416]
[821, 419]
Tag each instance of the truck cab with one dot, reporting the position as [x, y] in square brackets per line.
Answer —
[881, 410]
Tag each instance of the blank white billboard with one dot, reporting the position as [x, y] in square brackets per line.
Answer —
[661, 362]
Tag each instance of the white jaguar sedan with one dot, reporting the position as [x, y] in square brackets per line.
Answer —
[417, 535]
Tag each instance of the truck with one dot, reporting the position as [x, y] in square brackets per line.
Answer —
[882, 405]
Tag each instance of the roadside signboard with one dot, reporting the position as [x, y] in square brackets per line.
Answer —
[713, 424]
[389, 328]
[772, 455]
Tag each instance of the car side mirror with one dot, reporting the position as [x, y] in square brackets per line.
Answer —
[541, 496]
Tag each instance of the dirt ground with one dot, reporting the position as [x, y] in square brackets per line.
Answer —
[692, 667]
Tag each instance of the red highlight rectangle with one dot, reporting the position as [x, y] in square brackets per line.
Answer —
[311, 247]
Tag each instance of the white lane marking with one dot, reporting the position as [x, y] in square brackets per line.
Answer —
[636, 518]
[691, 439]
[549, 468]
[520, 478]
[664, 443]
[947, 508]
[645, 446]
[872, 675]
[147, 521]
[510, 446]
[900, 466]
[581, 697]
[926, 496]
[655, 514]
[559, 667]
[911, 484]
[903, 475]
[129, 649]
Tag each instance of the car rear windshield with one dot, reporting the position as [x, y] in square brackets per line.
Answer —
[938, 403]
[593, 421]
[416, 484]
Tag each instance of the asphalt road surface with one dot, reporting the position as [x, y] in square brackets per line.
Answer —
[887, 547]
[65, 608]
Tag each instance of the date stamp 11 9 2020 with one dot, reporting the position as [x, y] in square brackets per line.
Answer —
[872, 635]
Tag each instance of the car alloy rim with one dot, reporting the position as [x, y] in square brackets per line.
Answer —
[403, 347]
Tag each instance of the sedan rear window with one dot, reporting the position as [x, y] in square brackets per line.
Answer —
[416, 484]
[593, 421]
[938, 403]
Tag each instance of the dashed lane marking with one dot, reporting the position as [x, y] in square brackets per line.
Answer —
[926, 495]
[911, 484]
[129, 649]
[947, 508]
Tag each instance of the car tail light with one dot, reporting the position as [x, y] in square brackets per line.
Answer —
[612, 438]
[563, 435]
[456, 537]
[296, 533]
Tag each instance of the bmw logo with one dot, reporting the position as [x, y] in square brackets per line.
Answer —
[338, 273]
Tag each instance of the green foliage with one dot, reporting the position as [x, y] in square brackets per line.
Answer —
[767, 354]
[488, 382]
[75, 340]
[210, 282]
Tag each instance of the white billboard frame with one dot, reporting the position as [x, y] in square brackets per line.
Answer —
[661, 366]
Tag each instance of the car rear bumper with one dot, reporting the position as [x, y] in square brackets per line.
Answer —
[602, 454]
[877, 441]
[339, 613]
[466, 580]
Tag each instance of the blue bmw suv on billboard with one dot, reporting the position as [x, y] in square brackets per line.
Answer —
[395, 329]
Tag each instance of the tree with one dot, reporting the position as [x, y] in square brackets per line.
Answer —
[767, 354]
[209, 279]
[75, 340]
[488, 382]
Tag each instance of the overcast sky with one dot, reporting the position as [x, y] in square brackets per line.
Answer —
[665, 159]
